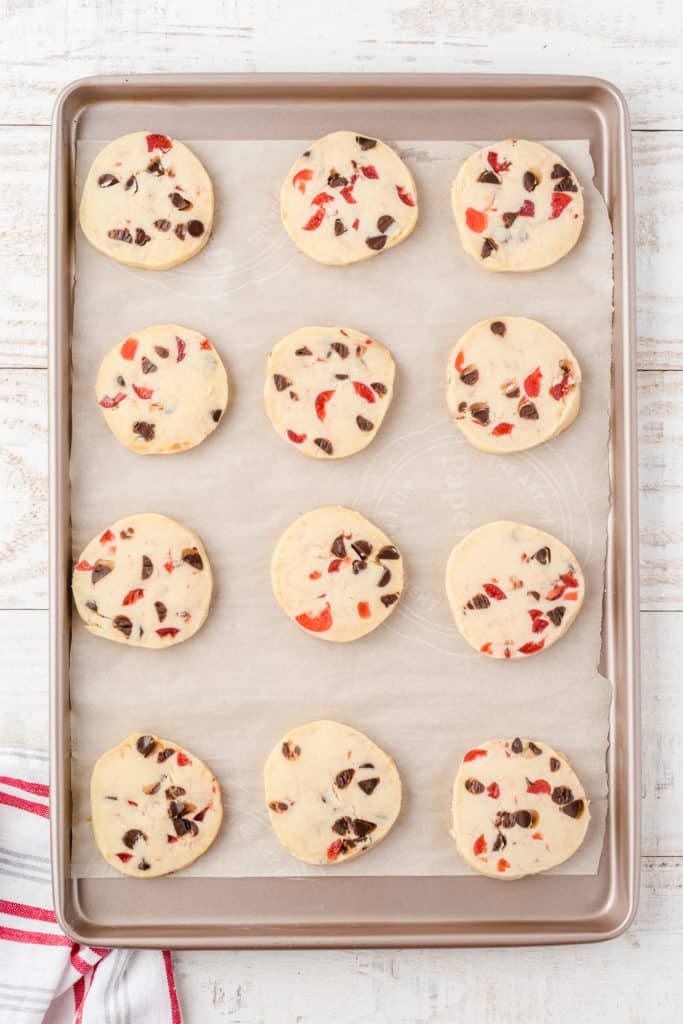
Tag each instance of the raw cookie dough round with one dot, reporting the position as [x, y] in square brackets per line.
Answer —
[147, 202]
[514, 590]
[347, 198]
[155, 807]
[517, 206]
[331, 792]
[518, 808]
[163, 389]
[146, 581]
[336, 574]
[328, 390]
[511, 383]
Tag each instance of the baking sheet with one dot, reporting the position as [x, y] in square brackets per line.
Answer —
[413, 685]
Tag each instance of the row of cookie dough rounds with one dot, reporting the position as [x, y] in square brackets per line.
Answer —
[332, 794]
[514, 590]
[148, 202]
[511, 384]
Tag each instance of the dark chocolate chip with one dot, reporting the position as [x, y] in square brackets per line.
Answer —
[306, 152]
[161, 610]
[164, 754]
[474, 786]
[338, 548]
[121, 381]
[379, 388]
[343, 826]
[388, 554]
[489, 178]
[478, 602]
[480, 412]
[384, 578]
[324, 444]
[509, 219]
[535, 594]
[560, 171]
[161, 351]
[488, 247]
[528, 410]
[376, 242]
[173, 792]
[192, 557]
[132, 183]
[144, 430]
[155, 166]
[107, 180]
[179, 201]
[176, 809]
[554, 762]
[368, 785]
[535, 750]
[92, 605]
[523, 819]
[363, 828]
[144, 865]
[543, 555]
[341, 376]
[339, 228]
[498, 327]
[123, 624]
[384, 223]
[340, 348]
[132, 836]
[145, 745]
[504, 820]
[462, 406]
[182, 826]
[216, 415]
[148, 366]
[278, 806]
[281, 383]
[179, 231]
[162, 224]
[147, 567]
[365, 143]
[141, 237]
[290, 752]
[363, 548]
[367, 765]
[195, 228]
[556, 614]
[389, 599]
[470, 375]
[337, 181]
[562, 795]
[100, 570]
[120, 235]
[530, 181]
[358, 565]
[499, 843]
[517, 746]
[566, 185]
[151, 789]
[344, 777]
[574, 809]
[305, 351]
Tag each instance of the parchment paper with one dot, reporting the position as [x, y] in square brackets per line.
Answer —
[413, 685]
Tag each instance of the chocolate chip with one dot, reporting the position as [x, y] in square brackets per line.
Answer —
[562, 795]
[480, 412]
[574, 809]
[141, 237]
[367, 765]
[281, 383]
[462, 406]
[123, 624]
[306, 152]
[107, 180]
[358, 566]
[528, 410]
[368, 785]
[379, 388]
[505, 820]
[543, 555]
[343, 826]
[474, 786]
[363, 548]
[151, 789]
[303, 351]
[339, 228]
[560, 171]
[155, 167]
[162, 224]
[489, 178]
[499, 843]
[566, 185]
[388, 554]
[164, 754]
[341, 376]
[498, 327]
[517, 746]
[148, 366]
[121, 381]
[132, 836]
[376, 242]
[179, 231]
[478, 602]
[179, 201]
[145, 745]
[195, 228]
[337, 180]
[147, 567]
[278, 806]
[290, 752]
[530, 181]
[132, 183]
[344, 777]
[554, 762]
[192, 557]
[509, 219]
[176, 809]
[535, 750]
[384, 223]
[92, 605]
[523, 819]
[144, 430]
[365, 143]
[216, 415]
[173, 792]
[535, 594]
[363, 828]
[324, 444]
[338, 547]
[470, 375]
[389, 599]
[182, 826]
[340, 348]
[488, 247]
[100, 570]
[161, 610]
[120, 235]
[384, 578]
[144, 865]
[161, 351]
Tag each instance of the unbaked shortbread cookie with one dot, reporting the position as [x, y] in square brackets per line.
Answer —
[347, 198]
[517, 206]
[147, 202]
[331, 792]
[163, 389]
[518, 808]
[328, 390]
[155, 807]
[511, 383]
[514, 590]
[146, 581]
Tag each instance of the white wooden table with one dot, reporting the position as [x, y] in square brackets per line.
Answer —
[44, 45]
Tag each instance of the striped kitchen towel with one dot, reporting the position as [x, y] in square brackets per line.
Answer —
[44, 976]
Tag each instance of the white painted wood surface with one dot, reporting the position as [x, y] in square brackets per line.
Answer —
[45, 44]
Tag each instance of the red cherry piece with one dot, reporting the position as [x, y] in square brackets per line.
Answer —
[133, 596]
[129, 348]
[569, 579]
[476, 220]
[171, 839]
[181, 349]
[335, 565]
[315, 221]
[495, 164]
[183, 760]
[559, 390]
[161, 142]
[355, 224]
[558, 202]
[493, 790]
[321, 404]
[296, 438]
[83, 567]
[205, 345]
[301, 177]
[471, 755]
[539, 786]
[503, 865]
[527, 209]
[459, 360]
[364, 610]
[142, 392]
[167, 631]
[111, 403]
[480, 845]
[334, 849]
[125, 857]
[347, 193]
[364, 391]
[502, 428]
[314, 575]
[532, 383]
[486, 648]
[494, 592]
[321, 199]
[369, 171]
[316, 623]
[539, 625]
[107, 537]
[405, 196]
[531, 647]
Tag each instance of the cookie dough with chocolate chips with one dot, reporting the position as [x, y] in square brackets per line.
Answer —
[145, 581]
[328, 390]
[518, 808]
[331, 792]
[336, 574]
[511, 383]
[147, 202]
[347, 198]
[517, 206]
[513, 590]
[155, 807]
[162, 390]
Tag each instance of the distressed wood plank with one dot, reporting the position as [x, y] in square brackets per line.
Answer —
[45, 45]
